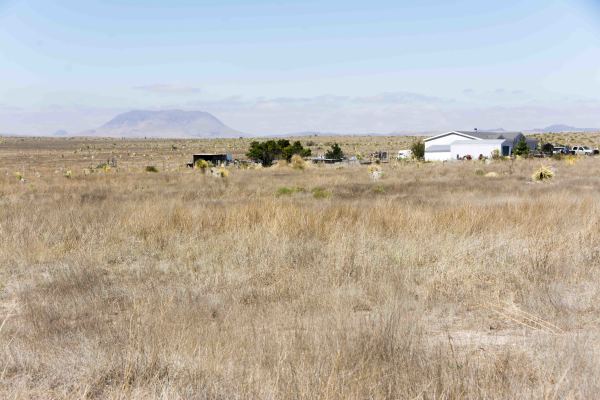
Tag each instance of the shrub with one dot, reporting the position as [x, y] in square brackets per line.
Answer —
[68, 174]
[151, 168]
[542, 174]
[335, 152]
[287, 191]
[264, 153]
[571, 159]
[480, 172]
[379, 189]
[496, 154]
[298, 162]
[374, 168]
[548, 148]
[295, 149]
[222, 172]
[418, 149]
[270, 150]
[320, 193]
[202, 165]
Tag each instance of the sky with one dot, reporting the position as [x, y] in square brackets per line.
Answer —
[283, 66]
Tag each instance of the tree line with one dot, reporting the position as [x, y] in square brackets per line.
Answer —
[270, 150]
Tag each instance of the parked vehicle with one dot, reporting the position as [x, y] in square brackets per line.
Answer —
[582, 151]
[561, 150]
[537, 153]
[404, 154]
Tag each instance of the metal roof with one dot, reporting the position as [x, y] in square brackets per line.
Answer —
[466, 135]
[492, 135]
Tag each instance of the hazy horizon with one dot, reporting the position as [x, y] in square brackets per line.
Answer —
[265, 67]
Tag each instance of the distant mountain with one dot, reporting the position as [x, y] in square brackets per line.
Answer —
[559, 128]
[164, 124]
[318, 133]
[495, 130]
[61, 132]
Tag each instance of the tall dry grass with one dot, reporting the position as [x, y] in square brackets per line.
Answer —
[434, 282]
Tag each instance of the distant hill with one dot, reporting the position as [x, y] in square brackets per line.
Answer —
[164, 124]
[559, 128]
[495, 130]
[395, 133]
[61, 132]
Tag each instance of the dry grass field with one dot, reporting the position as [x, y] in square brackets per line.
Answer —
[570, 139]
[434, 282]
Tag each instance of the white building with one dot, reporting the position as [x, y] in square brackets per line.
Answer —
[458, 144]
[475, 148]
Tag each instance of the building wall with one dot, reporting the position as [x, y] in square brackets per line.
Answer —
[438, 156]
[445, 140]
[474, 149]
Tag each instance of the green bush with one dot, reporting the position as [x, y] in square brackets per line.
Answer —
[335, 153]
[151, 168]
[271, 150]
[418, 150]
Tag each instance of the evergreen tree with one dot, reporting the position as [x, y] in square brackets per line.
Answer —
[521, 149]
[335, 152]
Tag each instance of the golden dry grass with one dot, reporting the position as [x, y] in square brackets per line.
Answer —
[570, 139]
[434, 282]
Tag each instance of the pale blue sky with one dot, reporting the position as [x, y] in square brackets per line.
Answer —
[282, 66]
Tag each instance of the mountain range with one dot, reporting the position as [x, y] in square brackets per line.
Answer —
[560, 128]
[172, 124]
[164, 124]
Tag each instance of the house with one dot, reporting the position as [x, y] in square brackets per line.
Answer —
[484, 147]
[450, 145]
[214, 159]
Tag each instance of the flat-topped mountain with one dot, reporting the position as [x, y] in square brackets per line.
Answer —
[164, 124]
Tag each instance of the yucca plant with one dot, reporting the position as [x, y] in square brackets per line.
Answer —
[542, 174]
[376, 172]
[222, 172]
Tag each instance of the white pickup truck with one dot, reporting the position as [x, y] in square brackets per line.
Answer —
[582, 150]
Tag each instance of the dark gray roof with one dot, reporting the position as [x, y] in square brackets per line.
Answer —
[492, 135]
[438, 148]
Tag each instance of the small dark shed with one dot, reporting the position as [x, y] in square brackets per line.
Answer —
[213, 158]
